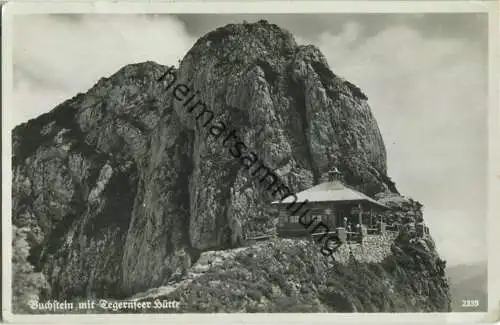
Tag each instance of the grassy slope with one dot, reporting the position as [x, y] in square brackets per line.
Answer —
[292, 276]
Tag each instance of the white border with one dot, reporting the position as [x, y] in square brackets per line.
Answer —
[17, 8]
[493, 176]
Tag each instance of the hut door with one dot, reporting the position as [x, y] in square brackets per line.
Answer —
[329, 217]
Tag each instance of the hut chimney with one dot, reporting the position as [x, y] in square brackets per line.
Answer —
[334, 175]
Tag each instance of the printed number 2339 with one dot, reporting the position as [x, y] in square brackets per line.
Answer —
[470, 303]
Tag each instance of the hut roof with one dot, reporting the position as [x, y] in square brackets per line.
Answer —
[330, 192]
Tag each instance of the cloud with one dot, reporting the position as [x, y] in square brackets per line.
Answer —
[57, 57]
[459, 237]
[429, 96]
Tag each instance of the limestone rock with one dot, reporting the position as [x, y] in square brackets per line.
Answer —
[122, 189]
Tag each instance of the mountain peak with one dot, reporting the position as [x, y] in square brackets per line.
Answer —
[126, 181]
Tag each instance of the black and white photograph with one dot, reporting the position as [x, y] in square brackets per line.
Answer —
[189, 161]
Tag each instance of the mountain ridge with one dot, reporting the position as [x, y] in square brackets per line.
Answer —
[121, 190]
[469, 282]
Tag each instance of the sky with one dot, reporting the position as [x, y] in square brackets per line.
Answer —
[425, 76]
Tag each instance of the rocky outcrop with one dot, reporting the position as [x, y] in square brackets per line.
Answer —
[102, 182]
[292, 276]
[288, 107]
[121, 187]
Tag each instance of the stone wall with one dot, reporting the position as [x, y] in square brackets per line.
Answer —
[374, 249]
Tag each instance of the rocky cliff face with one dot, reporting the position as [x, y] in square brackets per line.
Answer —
[119, 184]
[102, 181]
